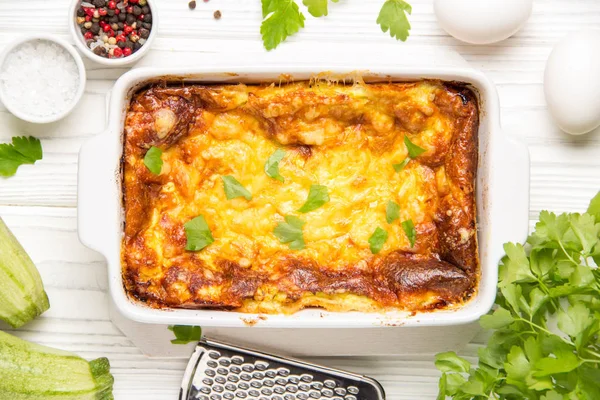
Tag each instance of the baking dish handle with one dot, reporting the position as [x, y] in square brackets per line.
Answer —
[96, 192]
[512, 177]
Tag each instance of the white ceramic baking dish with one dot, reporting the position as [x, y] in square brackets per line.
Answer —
[502, 197]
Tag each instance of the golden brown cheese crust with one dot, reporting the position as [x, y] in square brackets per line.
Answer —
[344, 137]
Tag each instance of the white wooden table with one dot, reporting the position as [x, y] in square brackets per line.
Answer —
[39, 203]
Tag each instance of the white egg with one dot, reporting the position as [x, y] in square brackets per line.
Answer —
[482, 21]
[572, 82]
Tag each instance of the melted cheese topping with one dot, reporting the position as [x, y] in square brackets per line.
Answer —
[346, 138]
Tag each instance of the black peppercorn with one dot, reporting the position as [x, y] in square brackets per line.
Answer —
[137, 10]
[122, 17]
[136, 46]
[83, 30]
[121, 25]
[130, 19]
[145, 10]
[110, 13]
[100, 51]
[99, 3]
[129, 44]
[148, 18]
[147, 25]
[144, 33]
[95, 28]
[80, 12]
[113, 20]
[121, 44]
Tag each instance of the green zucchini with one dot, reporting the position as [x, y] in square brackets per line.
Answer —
[29, 371]
[22, 295]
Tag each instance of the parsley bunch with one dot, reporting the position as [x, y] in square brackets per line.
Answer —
[283, 18]
[546, 323]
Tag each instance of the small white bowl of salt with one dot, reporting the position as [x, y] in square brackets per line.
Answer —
[42, 78]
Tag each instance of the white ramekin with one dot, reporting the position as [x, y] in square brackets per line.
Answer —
[80, 67]
[80, 41]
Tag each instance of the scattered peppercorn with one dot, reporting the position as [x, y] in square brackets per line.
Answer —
[192, 5]
[114, 28]
[217, 14]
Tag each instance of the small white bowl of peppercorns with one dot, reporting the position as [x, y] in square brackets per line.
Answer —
[113, 32]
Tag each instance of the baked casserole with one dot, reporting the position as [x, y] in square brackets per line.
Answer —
[273, 198]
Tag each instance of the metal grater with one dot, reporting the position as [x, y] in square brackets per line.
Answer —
[219, 371]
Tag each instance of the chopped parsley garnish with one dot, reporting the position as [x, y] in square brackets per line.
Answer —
[281, 18]
[153, 160]
[317, 196]
[392, 211]
[414, 151]
[393, 17]
[377, 240]
[185, 334]
[400, 166]
[234, 189]
[198, 234]
[290, 232]
[22, 150]
[411, 233]
[317, 8]
[272, 165]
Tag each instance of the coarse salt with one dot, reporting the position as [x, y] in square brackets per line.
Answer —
[39, 78]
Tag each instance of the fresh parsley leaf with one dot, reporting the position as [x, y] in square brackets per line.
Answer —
[499, 319]
[185, 334]
[198, 234]
[290, 232]
[574, 321]
[546, 323]
[594, 207]
[272, 165]
[234, 189]
[281, 18]
[393, 17]
[317, 8]
[153, 160]
[411, 233]
[22, 150]
[414, 151]
[451, 362]
[392, 211]
[400, 166]
[317, 196]
[377, 240]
